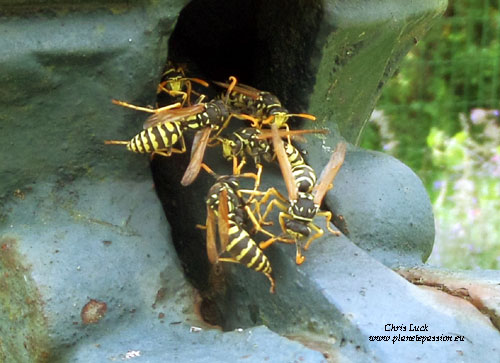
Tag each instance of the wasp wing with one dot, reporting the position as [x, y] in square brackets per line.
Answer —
[172, 115]
[267, 134]
[200, 142]
[329, 172]
[286, 168]
[241, 88]
[223, 221]
[212, 252]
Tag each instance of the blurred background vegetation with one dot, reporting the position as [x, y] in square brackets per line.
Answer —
[440, 115]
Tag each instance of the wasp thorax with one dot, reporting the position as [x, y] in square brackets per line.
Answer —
[217, 111]
[270, 100]
[303, 208]
[297, 229]
[241, 218]
[258, 149]
[231, 181]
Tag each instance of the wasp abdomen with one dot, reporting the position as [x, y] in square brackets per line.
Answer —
[244, 249]
[305, 178]
[159, 137]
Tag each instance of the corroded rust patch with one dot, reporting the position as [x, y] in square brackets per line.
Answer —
[21, 309]
[93, 311]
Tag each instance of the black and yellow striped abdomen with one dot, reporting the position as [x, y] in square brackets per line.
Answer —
[160, 137]
[244, 249]
[304, 175]
[240, 245]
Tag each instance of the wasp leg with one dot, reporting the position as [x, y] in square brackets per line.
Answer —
[237, 167]
[271, 280]
[185, 96]
[288, 137]
[200, 98]
[208, 170]
[257, 181]
[146, 109]
[270, 241]
[271, 192]
[328, 218]
[161, 87]
[253, 193]
[254, 176]
[299, 258]
[171, 150]
[256, 223]
[166, 153]
[255, 121]
[318, 234]
[224, 125]
[214, 141]
[174, 93]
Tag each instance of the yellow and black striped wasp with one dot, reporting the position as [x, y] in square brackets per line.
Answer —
[177, 85]
[252, 143]
[228, 213]
[260, 107]
[304, 196]
[166, 126]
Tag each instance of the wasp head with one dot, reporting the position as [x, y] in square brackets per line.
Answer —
[231, 147]
[303, 208]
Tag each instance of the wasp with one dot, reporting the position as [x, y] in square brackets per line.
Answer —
[228, 213]
[304, 195]
[166, 126]
[260, 107]
[200, 142]
[244, 143]
[176, 84]
[252, 143]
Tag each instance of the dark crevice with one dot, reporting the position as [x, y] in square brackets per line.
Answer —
[266, 44]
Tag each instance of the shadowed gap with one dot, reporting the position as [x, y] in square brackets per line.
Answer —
[266, 44]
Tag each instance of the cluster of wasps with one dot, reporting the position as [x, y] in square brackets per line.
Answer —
[234, 214]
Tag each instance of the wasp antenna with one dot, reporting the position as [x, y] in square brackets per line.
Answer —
[133, 107]
[115, 142]
[233, 81]
[268, 120]
[304, 115]
[199, 81]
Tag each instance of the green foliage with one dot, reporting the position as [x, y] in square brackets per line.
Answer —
[439, 114]
[454, 69]
[467, 211]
